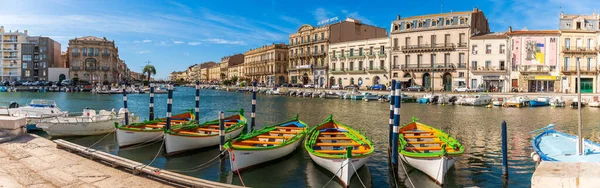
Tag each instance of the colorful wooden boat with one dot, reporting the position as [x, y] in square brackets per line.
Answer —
[553, 145]
[428, 149]
[266, 144]
[191, 136]
[147, 131]
[329, 143]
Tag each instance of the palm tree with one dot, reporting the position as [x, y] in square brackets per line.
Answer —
[150, 70]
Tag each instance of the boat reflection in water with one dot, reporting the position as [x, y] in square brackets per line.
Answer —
[420, 179]
[317, 176]
[282, 172]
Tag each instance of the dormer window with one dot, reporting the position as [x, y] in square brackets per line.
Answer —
[462, 21]
[408, 26]
[433, 23]
[395, 27]
[447, 21]
[420, 24]
[578, 26]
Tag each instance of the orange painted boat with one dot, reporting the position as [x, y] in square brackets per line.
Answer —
[147, 131]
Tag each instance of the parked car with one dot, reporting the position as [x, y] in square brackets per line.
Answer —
[309, 86]
[66, 82]
[285, 85]
[461, 89]
[335, 86]
[415, 88]
[351, 87]
[378, 87]
[479, 89]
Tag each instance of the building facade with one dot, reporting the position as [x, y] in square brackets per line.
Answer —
[534, 61]
[432, 50]
[488, 67]
[267, 64]
[235, 71]
[37, 55]
[361, 62]
[308, 55]
[10, 66]
[95, 60]
[579, 45]
[214, 73]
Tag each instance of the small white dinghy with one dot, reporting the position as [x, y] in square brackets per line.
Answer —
[85, 123]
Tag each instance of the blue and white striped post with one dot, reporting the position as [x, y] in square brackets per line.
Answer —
[221, 133]
[392, 99]
[253, 114]
[169, 105]
[125, 104]
[396, 127]
[197, 119]
[151, 114]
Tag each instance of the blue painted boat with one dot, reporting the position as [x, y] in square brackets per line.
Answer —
[540, 101]
[3, 89]
[425, 99]
[553, 145]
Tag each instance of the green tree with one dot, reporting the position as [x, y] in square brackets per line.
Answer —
[150, 70]
[234, 79]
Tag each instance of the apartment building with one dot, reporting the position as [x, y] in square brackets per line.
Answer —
[229, 62]
[488, 67]
[214, 73]
[95, 60]
[204, 70]
[534, 60]
[579, 49]
[360, 62]
[432, 50]
[267, 64]
[10, 66]
[38, 54]
[235, 71]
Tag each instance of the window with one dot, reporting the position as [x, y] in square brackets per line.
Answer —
[360, 65]
[75, 63]
[461, 59]
[322, 36]
[432, 59]
[27, 73]
[96, 52]
[371, 50]
[419, 40]
[406, 59]
[370, 65]
[90, 51]
[26, 58]
[395, 43]
[488, 49]
[488, 64]
[433, 40]
[447, 22]
[462, 21]
[589, 64]
[406, 41]
[395, 62]
[578, 26]
[419, 59]
[382, 50]
[351, 66]
[502, 49]
[568, 43]
[566, 63]
[381, 64]
[323, 48]
[307, 38]
[589, 44]
[75, 50]
[322, 62]
[316, 37]
[316, 49]
[502, 65]
[433, 23]
[24, 65]
[446, 58]
[351, 51]
[447, 38]
[461, 39]
[461, 74]
[84, 52]
[474, 65]
[342, 55]
[342, 66]
[333, 66]
[360, 51]
[395, 75]
[474, 49]
[333, 53]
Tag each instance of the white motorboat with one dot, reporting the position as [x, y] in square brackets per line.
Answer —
[36, 110]
[85, 123]
[557, 102]
[594, 102]
[498, 101]
[575, 101]
[370, 97]
[478, 100]
[518, 101]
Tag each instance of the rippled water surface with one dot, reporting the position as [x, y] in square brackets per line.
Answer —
[477, 128]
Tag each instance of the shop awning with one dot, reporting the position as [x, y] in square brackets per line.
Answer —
[544, 77]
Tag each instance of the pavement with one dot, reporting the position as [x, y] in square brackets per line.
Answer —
[32, 161]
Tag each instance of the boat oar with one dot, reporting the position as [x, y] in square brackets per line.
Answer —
[551, 126]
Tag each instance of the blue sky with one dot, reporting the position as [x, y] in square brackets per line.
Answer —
[176, 34]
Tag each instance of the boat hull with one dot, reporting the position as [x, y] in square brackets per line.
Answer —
[242, 159]
[128, 137]
[535, 103]
[423, 100]
[176, 143]
[333, 165]
[434, 167]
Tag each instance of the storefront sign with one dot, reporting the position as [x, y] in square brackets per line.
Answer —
[491, 77]
[303, 67]
[544, 78]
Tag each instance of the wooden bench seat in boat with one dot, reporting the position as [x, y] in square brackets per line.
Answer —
[425, 142]
[337, 144]
[331, 133]
[334, 138]
[291, 128]
[421, 136]
[343, 151]
[190, 132]
[276, 137]
[259, 142]
[208, 130]
[283, 132]
[427, 148]
[417, 132]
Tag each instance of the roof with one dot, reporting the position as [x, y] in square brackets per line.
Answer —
[500, 35]
[535, 32]
[436, 15]
[93, 38]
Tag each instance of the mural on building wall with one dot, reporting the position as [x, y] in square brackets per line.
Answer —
[551, 52]
[534, 51]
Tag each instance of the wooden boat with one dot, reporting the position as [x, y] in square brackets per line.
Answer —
[428, 149]
[557, 102]
[84, 123]
[147, 131]
[553, 145]
[189, 136]
[575, 101]
[328, 145]
[266, 144]
[540, 101]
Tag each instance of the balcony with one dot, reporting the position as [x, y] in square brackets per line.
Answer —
[396, 67]
[376, 70]
[573, 69]
[489, 69]
[105, 54]
[428, 48]
[10, 49]
[105, 68]
[534, 69]
[11, 41]
[91, 68]
[75, 68]
[382, 55]
[337, 71]
[356, 71]
[462, 66]
[355, 56]
[9, 66]
[75, 54]
[462, 45]
[11, 57]
[318, 53]
[579, 50]
[427, 67]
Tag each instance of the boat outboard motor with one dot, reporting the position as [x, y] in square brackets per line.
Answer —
[434, 99]
[13, 104]
[453, 99]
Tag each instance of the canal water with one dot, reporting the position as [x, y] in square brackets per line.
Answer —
[477, 128]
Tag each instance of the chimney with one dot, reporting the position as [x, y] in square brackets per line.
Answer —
[25, 32]
[398, 17]
[509, 29]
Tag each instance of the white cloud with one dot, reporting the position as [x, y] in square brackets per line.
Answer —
[143, 52]
[223, 41]
[290, 20]
[321, 14]
[178, 42]
[194, 43]
[146, 41]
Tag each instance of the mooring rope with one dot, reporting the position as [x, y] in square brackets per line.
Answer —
[198, 167]
[238, 172]
[335, 174]
[156, 156]
[405, 172]
[356, 172]
[88, 148]
[143, 144]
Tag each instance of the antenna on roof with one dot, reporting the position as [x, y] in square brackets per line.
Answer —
[441, 6]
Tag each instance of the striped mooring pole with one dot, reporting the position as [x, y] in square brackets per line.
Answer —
[125, 104]
[253, 114]
[151, 113]
[396, 127]
[504, 151]
[392, 99]
[221, 133]
[169, 105]
[197, 119]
